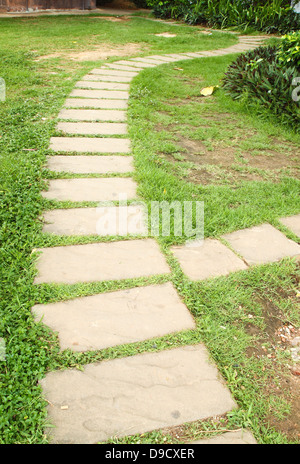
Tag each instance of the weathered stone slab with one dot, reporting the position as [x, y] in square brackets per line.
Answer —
[262, 244]
[149, 60]
[178, 57]
[105, 78]
[91, 189]
[212, 259]
[134, 395]
[111, 72]
[104, 221]
[140, 64]
[110, 94]
[292, 223]
[100, 262]
[239, 437]
[163, 58]
[90, 145]
[122, 67]
[96, 103]
[102, 85]
[93, 115]
[80, 164]
[92, 128]
[127, 316]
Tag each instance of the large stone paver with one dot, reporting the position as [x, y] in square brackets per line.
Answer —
[101, 85]
[100, 262]
[95, 103]
[134, 395]
[90, 189]
[104, 221]
[239, 437]
[127, 316]
[110, 94]
[212, 259]
[80, 164]
[122, 67]
[113, 72]
[262, 244]
[105, 78]
[89, 145]
[292, 223]
[92, 128]
[93, 115]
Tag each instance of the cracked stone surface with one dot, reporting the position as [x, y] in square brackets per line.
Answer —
[92, 128]
[103, 221]
[89, 145]
[96, 103]
[211, 259]
[93, 115]
[103, 189]
[81, 164]
[292, 223]
[262, 244]
[100, 262]
[126, 316]
[239, 437]
[134, 395]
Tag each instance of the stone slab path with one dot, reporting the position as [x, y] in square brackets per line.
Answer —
[151, 390]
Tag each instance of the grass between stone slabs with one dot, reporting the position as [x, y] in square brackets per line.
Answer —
[35, 93]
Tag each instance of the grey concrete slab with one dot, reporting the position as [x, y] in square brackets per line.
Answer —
[109, 94]
[122, 67]
[110, 319]
[212, 259]
[292, 223]
[110, 72]
[93, 115]
[105, 78]
[90, 189]
[90, 144]
[262, 244]
[140, 64]
[239, 437]
[103, 221]
[95, 103]
[100, 262]
[150, 60]
[134, 395]
[102, 85]
[92, 128]
[86, 164]
[163, 58]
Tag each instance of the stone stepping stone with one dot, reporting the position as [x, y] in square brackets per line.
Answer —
[262, 244]
[93, 115]
[292, 223]
[239, 437]
[100, 78]
[110, 319]
[100, 262]
[80, 164]
[102, 85]
[134, 395]
[140, 64]
[111, 72]
[92, 128]
[194, 55]
[103, 221]
[89, 145]
[95, 103]
[162, 58]
[150, 60]
[211, 259]
[90, 189]
[122, 67]
[110, 94]
[178, 57]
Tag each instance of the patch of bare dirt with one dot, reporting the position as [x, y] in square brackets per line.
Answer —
[101, 52]
[113, 19]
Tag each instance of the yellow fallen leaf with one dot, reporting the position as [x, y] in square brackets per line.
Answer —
[206, 91]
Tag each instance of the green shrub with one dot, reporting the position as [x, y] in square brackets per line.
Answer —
[257, 78]
[289, 50]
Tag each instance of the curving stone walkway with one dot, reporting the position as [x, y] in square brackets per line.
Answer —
[151, 390]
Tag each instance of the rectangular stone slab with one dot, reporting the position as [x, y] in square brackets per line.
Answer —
[110, 319]
[101, 85]
[92, 128]
[262, 244]
[100, 262]
[121, 67]
[112, 72]
[103, 221]
[90, 189]
[95, 103]
[134, 395]
[292, 223]
[80, 164]
[119, 95]
[212, 259]
[89, 145]
[93, 115]
[105, 78]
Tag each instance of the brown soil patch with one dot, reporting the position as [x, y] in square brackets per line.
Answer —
[101, 52]
[113, 19]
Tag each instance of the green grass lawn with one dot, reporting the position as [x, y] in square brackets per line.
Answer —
[169, 126]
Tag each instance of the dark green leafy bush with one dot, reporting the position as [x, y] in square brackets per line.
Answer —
[257, 78]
